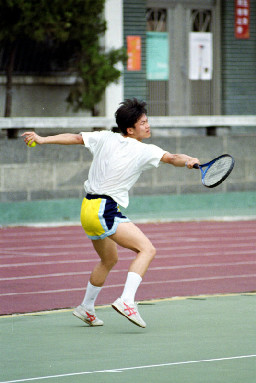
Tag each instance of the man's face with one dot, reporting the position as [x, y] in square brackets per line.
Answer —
[141, 129]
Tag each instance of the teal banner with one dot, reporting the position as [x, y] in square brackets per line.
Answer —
[157, 56]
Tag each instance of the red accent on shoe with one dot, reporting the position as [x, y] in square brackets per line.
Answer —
[90, 317]
[130, 309]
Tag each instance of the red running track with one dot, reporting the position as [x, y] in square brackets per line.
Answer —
[48, 268]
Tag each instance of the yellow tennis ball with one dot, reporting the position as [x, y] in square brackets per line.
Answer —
[31, 145]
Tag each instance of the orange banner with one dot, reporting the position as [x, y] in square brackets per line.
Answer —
[242, 17]
[134, 53]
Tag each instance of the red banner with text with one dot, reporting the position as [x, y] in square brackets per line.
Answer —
[242, 18]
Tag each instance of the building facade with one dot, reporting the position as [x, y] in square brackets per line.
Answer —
[185, 57]
[209, 69]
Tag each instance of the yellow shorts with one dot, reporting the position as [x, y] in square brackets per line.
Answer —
[100, 216]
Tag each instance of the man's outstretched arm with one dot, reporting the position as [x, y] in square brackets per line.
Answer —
[59, 139]
[180, 160]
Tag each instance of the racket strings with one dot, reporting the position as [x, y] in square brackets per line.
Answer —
[218, 170]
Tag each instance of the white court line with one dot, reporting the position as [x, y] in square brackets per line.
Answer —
[131, 368]
[11, 265]
[6, 253]
[194, 243]
[51, 291]
[198, 219]
[209, 254]
[64, 230]
[156, 268]
[185, 280]
[84, 245]
[39, 237]
[218, 242]
[185, 255]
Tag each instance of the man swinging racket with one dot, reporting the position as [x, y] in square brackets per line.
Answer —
[118, 161]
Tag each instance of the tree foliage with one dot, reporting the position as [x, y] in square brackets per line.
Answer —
[96, 72]
[75, 26]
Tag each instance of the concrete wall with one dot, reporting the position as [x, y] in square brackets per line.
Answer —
[55, 172]
[41, 97]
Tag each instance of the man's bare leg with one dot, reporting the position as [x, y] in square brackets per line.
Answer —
[107, 251]
[130, 236]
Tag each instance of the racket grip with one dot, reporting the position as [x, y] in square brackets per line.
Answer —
[196, 166]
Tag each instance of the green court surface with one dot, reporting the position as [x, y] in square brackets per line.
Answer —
[193, 340]
[210, 205]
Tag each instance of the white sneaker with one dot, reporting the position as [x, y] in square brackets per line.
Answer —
[88, 316]
[130, 311]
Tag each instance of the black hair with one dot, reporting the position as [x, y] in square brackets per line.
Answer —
[129, 113]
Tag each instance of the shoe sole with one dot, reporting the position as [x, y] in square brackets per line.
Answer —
[126, 316]
[77, 315]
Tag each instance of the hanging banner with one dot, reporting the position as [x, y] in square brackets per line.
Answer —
[134, 53]
[157, 54]
[200, 56]
[242, 17]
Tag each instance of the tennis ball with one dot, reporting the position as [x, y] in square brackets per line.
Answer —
[31, 145]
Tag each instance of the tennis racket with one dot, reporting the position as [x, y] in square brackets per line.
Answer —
[216, 171]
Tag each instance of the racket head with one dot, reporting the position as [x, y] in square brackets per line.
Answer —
[217, 170]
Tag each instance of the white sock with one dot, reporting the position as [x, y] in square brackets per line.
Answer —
[131, 285]
[90, 296]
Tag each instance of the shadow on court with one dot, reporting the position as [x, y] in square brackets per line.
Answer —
[193, 340]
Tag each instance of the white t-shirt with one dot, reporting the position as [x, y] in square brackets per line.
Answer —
[117, 163]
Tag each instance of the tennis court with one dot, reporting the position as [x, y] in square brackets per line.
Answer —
[198, 299]
[206, 339]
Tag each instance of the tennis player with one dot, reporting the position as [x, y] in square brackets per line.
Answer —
[118, 161]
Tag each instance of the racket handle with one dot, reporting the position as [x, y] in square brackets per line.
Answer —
[196, 166]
